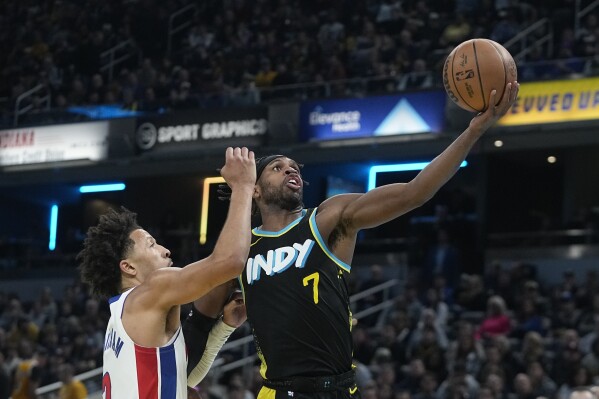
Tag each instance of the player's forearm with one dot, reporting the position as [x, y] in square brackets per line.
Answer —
[426, 184]
[388, 202]
[216, 339]
[234, 239]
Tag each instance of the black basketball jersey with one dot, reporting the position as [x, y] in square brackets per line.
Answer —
[297, 302]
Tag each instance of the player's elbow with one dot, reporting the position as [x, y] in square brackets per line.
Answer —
[231, 264]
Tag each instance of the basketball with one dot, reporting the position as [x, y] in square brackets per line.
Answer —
[473, 69]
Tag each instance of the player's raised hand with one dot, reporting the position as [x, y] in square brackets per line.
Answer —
[240, 167]
[486, 119]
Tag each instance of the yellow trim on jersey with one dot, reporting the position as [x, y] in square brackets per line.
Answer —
[266, 393]
[241, 285]
[263, 366]
[256, 242]
[323, 246]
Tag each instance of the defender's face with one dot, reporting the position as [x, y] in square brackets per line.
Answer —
[281, 184]
[147, 255]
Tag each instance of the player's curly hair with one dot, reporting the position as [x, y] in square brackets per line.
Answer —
[105, 246]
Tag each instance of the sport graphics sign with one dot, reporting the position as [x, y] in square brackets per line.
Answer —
[418, 112]
[215, 128]
[57, 143]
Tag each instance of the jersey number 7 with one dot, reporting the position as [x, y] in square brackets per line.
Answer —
[316, 278]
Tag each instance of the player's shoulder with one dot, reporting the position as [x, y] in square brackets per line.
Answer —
[338, 202]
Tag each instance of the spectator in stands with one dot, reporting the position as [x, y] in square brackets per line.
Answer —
[542, 384]
[496, 383]
[236, 388]
[71, 388]
[591, 360]
[532, 292]
[456, 31]
[583, 393]
[23, 329]
[364, 346]
[497, 321]
[411, 375]
[494, 363]
[567, 315]
[419, 77]
[459, 380]
[411, 303]
[567, 358]
[5, 380]
[430, 351]
[523, 387]
[428, 320]
[470, 293]
[428, 387]
[588, 325]
[443, 258]
[434, 302]
[528, 319]
[376, 277]
[465, 349]
[30, 375]
[507, 26]
[532, 350]
[579, 377]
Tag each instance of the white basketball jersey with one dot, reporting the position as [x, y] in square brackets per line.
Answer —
[132, 371]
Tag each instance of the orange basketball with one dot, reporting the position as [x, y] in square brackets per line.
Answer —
[473, 69]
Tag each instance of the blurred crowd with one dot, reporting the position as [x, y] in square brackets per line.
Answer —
[501, 335]
[233, 52]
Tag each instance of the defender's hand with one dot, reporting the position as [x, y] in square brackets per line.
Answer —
[240, 167]
[234, 313]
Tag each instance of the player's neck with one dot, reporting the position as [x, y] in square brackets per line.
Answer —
[278, 219]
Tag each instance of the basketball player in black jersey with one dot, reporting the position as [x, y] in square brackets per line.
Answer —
[294, 280]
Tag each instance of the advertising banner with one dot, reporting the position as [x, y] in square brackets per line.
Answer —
[189, 130]
[554, 101]
[408, 113]
[57, 143]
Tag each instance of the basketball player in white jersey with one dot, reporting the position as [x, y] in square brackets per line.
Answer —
[144, 350]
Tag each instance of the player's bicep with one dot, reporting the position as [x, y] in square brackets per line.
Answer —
[329, 213]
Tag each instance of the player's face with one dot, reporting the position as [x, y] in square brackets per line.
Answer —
[147, 255]
[281, 184]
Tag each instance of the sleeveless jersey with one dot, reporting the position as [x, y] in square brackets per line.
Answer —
[134, 371]
[297, 302]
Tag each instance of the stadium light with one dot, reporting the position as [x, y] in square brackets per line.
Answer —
[398, 167]
[99, 188]
[53, 227]
[205, 203]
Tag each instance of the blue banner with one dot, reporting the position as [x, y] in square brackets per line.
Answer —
[408, 113]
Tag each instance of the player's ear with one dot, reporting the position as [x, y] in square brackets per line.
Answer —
[127, 268]
[256, 193]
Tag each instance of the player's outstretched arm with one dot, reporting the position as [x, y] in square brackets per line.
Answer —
[179, 286]
[387, 202]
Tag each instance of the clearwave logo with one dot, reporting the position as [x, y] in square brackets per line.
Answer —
[146, 136]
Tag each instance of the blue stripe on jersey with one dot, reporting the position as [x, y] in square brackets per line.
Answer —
[260, 232]
[114, 299]
[322, 244]
[168, 372]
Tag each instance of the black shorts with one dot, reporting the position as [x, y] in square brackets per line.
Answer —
[348, 393]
